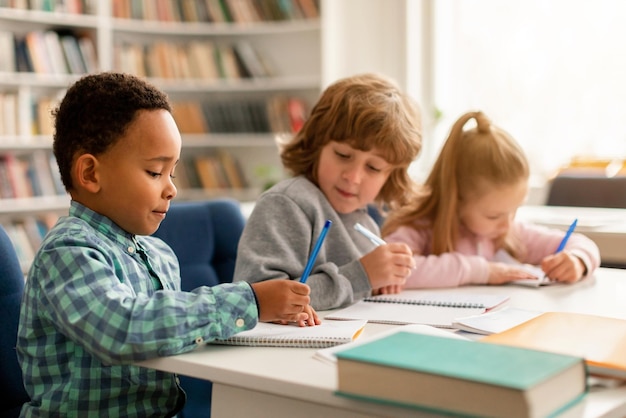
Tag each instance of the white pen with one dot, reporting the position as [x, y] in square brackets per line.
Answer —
[369, 234]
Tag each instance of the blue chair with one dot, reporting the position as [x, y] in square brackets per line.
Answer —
[204, 235]
[11, 288]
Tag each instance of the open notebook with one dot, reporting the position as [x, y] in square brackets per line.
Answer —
[438, 309]
[327, 334]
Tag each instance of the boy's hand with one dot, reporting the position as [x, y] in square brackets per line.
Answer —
[388, 265]
[285, 301]
[563, 267]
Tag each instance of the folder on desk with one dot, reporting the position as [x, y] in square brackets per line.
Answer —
[600, 340]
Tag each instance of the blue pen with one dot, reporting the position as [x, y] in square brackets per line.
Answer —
[316, 249]
[567, 235]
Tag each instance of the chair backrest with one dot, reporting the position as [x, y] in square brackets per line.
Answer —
[204, 235]
[11, 289]
[587, 191]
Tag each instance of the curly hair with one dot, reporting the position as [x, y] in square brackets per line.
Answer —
[95, 112]
[365, 111]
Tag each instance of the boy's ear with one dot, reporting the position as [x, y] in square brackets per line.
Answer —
[86, 174]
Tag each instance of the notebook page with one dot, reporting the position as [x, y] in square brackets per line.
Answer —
[403, 313]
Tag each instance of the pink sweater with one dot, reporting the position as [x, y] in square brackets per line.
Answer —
[469, 263]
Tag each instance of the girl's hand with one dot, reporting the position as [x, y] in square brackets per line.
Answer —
[285, 301]
[388, 265]
[501, 273]
[563, 267]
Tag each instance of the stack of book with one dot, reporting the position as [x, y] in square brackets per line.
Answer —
[459, 377]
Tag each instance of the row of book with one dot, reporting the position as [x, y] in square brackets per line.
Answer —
[277, 114]
[27, 234]
[47, 52]
[196, 59]
[36, 174]
[216, 11]
[40, 115]
[29, 175]
[57, 6]
[220, 170]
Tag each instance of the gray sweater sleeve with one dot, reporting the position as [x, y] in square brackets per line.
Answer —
[281, 232]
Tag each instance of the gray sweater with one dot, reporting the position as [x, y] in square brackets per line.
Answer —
[281, 232]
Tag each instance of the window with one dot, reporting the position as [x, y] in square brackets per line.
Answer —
[551, 73]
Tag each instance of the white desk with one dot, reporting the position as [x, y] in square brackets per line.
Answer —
[605, 226]
[287, 382]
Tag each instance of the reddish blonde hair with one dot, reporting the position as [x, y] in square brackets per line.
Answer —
[366, 111]
[471, 163]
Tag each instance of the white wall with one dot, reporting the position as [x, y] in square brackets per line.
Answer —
[363, 36]
[376, 36]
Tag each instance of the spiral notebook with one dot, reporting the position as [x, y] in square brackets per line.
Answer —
[438, 309]
[327, 334]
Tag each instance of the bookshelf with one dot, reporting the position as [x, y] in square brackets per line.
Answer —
[238, 81]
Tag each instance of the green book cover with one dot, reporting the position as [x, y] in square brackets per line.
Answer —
[461, 377]
[488, 363]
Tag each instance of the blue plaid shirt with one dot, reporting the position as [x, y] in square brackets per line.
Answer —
[97, 299]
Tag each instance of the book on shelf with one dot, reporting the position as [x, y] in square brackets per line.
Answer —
[8, 114]
[249, 59]
[73, 55]
[189, 118]
[7, 46]
[18, 172]
[40, 161]
[494, 321]
[52, 43]
[327, 354]
[309, 8]
[438, 309]
[38, 52]
[327, 334]
[600, 340]
[43, 119]
[458, 377]
[88, 52]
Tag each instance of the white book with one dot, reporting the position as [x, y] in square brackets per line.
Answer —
[55, 51]
[495, 321]
[8, 114]
[7, 52]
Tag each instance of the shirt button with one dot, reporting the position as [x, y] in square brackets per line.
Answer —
[199, 340]
[131, 250]
[239, 323]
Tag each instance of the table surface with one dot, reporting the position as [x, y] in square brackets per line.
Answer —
[605, 226]
[294, 373]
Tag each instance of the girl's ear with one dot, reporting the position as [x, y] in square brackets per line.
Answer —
[86, 174]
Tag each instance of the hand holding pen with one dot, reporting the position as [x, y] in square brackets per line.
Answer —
[388, 265]
[564, 267]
